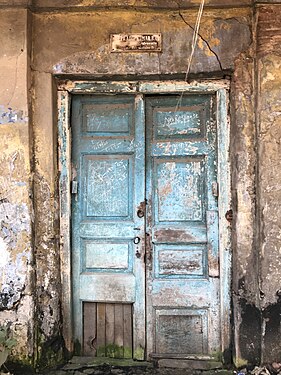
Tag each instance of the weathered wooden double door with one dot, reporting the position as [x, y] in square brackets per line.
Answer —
[145, 225]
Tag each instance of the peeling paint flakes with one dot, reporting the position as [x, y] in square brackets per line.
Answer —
[4, 253]
[58, 68]
[9, 115]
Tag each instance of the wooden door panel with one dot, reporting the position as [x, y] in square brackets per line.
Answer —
[181, 331]
[179, 190]
[184, 121]
[108, 167]
[107, 186]
[108, 255]
[182, 293]
[106, 118]
[180, 261]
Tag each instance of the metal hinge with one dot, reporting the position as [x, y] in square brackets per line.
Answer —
[74, 187]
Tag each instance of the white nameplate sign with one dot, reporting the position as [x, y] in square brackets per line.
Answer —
[135, 42]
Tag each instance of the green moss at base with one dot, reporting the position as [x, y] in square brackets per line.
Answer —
[128, 353]
[114, 351]
[139, 354]
[50, 353]
[20, 365]
[217, 356]
[77, 348]
[100, 361]
[239, 362]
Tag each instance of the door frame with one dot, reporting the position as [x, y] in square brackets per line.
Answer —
[65, 89]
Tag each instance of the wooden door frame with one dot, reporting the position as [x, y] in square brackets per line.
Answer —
[64, 91]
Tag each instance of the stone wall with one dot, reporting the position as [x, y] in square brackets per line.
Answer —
[16, 217]
[70, 39]
[269, 188]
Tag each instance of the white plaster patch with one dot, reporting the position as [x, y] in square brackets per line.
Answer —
[12, 115]
[4, 253]
[57, 68]
[15, 230]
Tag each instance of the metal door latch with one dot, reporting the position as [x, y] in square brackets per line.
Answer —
[140, 213]
[141, 209]
[215, 189]
[229, 216]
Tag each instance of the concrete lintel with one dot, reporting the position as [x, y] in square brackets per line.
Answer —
[15, 3]
[142, 4]
[265, 2]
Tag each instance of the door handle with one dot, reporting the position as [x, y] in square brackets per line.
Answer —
[136, 240]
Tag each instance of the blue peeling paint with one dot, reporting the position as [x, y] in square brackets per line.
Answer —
[10, 115]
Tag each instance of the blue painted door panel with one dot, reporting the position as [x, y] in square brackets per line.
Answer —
[147, 233]
[108, 166]
[182, 220]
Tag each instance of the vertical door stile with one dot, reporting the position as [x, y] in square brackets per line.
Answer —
[150, 334]
[76, 218]
[224, 206]
[139, 248]
[212, 192]
[64, 153]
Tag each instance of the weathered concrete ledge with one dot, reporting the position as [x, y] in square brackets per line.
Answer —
[150, 4]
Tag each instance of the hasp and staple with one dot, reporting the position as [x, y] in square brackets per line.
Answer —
[136, 42]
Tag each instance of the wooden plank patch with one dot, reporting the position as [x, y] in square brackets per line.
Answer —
[90, 326]
[107, 330]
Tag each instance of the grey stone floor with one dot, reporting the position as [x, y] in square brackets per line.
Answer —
[79, 366]
[106, 366]
[115, 370]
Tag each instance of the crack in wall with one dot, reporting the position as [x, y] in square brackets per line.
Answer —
[204, 40]
[16, 70]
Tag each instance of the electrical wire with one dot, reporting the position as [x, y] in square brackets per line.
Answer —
[193, 46]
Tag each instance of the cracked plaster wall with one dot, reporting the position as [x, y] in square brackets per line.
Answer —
[84, 47]
[269, 175]
[73, 44]
[16, 297]
[245, 296]
[77, 44]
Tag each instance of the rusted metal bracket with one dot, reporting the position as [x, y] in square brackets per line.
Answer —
[229, 216]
